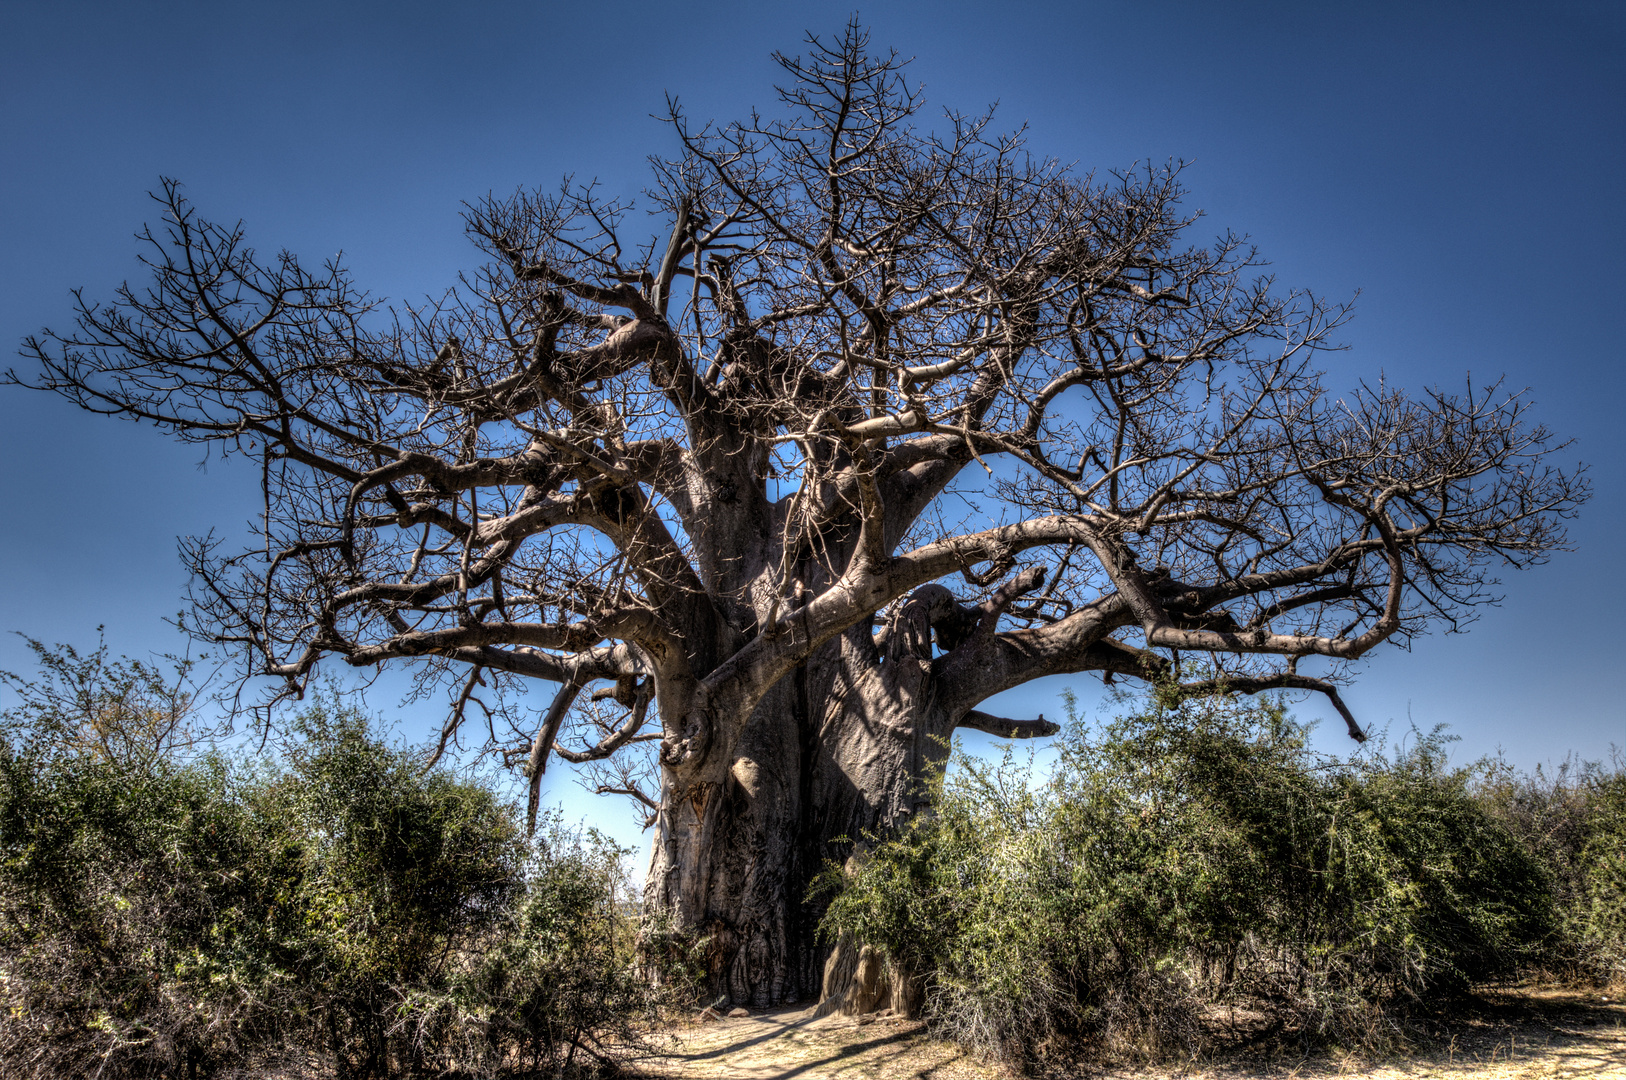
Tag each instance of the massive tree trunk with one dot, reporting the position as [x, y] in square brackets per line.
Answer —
[835, 751]
[841, 749]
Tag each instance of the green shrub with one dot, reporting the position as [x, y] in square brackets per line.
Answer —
[393, 873]
[1194, 854]
[162, 916]
[553, 983]
[128, 924]
[1573, 819]
[1599, 916]
[127, 712]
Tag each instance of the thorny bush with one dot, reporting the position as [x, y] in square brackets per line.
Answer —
[333, 907]
[1196, 854]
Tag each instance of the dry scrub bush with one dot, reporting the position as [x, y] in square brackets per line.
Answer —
[1573, 818]
[1194, 854]
[165, 915]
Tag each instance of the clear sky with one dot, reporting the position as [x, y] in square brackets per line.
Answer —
[1459, 165]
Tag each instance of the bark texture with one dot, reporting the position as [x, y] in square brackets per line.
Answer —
[836, 750]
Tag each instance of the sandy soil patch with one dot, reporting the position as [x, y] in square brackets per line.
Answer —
[790, 1044]
[1520, 1035]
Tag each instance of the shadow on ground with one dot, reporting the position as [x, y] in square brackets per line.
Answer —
[1514, 1035]
[790, 1044]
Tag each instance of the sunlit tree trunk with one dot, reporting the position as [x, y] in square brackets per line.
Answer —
[838, 751]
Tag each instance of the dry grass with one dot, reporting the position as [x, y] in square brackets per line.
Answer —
[1513, 1035]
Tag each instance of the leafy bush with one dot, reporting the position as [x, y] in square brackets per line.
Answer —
[1599, 916]
[1573, 818]
[392, 874]
[129, 712]
[129, 930]
[1197, 854]
[162, 916]
[554, 980]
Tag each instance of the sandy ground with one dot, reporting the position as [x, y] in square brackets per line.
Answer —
[1524, 1034]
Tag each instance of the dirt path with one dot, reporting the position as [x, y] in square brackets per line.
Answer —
[1544, 1034]
[789, 1044]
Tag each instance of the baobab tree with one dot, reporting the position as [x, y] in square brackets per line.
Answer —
[776, 477]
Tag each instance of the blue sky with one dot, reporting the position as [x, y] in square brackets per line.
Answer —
[1458, 165]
